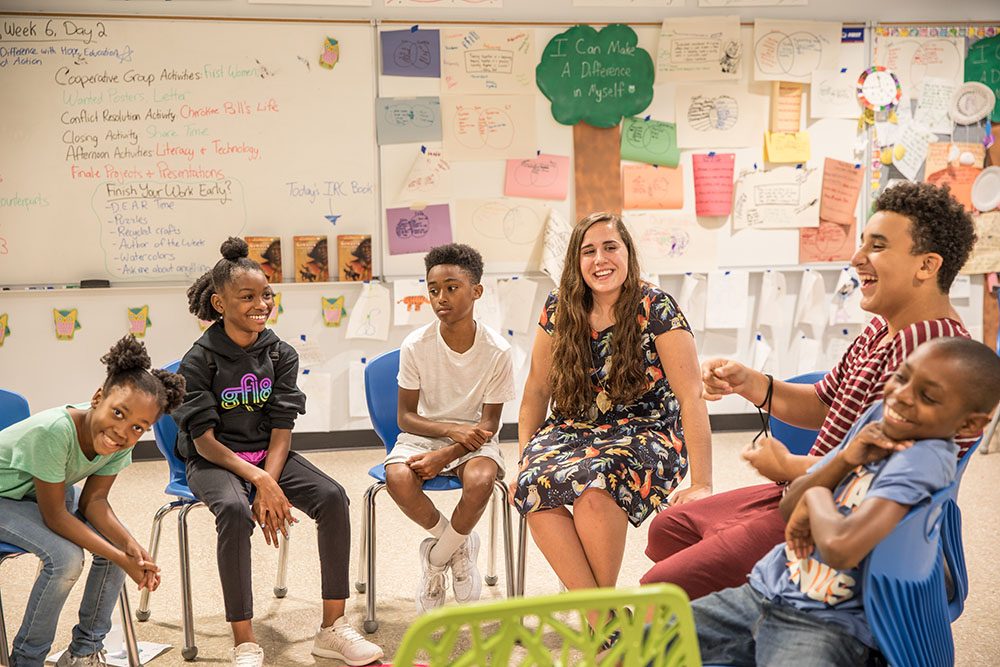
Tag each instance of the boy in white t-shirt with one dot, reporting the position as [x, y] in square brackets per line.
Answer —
[454, 377]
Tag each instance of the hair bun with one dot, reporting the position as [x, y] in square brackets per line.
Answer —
[234, 248]
[127, 354]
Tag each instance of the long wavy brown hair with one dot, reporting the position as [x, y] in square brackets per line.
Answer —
[572, 361]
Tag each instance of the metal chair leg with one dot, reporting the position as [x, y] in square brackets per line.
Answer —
[280, 588]
[991, 430]
[359, 583]
[190, 650]
[522, 545]
[4, 651]
[508, 543]
[142, 613]
[131, 645]
[370, 624]
[491, 561]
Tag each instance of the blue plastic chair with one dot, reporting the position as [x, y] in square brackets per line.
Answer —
[14, 408]
[382, 395]
[165, 432]
[798, 440]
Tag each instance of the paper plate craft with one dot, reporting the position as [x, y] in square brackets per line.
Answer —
[986, 189]
[878, 89]
[972, 102]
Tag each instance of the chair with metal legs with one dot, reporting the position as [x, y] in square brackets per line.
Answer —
[382, 393]
[165, 432]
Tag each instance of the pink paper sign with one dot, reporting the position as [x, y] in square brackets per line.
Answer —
[647, 187]
[542, 177]
[713, 183]
[411, 230]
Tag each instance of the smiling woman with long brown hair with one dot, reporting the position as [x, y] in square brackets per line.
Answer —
[617, 360]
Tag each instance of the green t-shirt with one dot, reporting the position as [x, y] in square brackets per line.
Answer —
[46, 446]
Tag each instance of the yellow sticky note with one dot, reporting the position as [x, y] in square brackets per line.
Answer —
[786, 146]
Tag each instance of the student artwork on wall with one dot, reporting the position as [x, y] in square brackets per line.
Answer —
[4, 329]
[333, 310]
[277, 309]
[429, 179]
[401, 120]
[411, 52]
[417, 229]
[650, 141]
[700, 48]
[504, 230]
[487, 60]
[330, 55]
[982, 65]
[138, 320]
[792, 50]
[713, 183]
[488, 127]
[913, 58]
[829, 242]
[204, 324]
[541, 177]
[985, 257]
[833, 94]
[554, 244]
[719, 115]
[411, 307]
[786, 147]
[842, 183]
[845, 307]
[648, 187]
[672, 242]
[782, 197]
[66, 323]
[370, 316]
[911, 150]
[597, 77]
[935, 102]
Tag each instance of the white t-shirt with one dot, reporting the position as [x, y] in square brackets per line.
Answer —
[453, 387]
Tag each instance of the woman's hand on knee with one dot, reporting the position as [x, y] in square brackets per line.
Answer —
[691, 493]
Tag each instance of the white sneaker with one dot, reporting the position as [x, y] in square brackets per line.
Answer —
[247, 654]
[67, 659]
[466, 580]
[343, 642]
[433, 579]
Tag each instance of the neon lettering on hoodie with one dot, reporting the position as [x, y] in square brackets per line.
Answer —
[250, 391]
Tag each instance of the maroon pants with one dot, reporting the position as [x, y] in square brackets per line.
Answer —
[711, 544]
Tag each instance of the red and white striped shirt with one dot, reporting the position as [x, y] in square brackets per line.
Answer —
[857, 380]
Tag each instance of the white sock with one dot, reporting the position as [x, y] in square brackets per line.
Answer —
[447, 544]
[437, 530]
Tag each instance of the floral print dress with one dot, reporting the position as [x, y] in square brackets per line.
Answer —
[635, 452]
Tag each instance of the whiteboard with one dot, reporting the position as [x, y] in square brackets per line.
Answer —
[133, 147]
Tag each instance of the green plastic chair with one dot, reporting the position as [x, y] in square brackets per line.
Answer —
[553, 630]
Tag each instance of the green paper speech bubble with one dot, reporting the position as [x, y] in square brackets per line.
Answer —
[596, 77]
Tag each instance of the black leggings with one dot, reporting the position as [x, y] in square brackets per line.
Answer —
[308, 489]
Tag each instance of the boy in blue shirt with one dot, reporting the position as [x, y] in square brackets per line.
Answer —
[804, 602]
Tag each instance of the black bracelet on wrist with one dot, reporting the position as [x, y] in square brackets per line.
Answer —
[767, 397]
[764, 410]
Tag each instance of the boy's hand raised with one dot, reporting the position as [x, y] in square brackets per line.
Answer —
[469, 436]
[721, 377]
[871, 444]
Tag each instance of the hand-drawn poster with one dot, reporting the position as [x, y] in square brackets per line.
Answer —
[700, 48]
[935, 101]
[727, 309]
[985, 256]
[401, 120]
[650, 141]
[488, 127]
[487, 60]
[941, 155]
[554, 245]
[719, 115]
[541, 177]
[842, 183]
[830, 242]
[912, 59]
[786, 106]
[959, 179]
[792, 50]
[417, 230]
[411, 53]
[786, 147]
[429, 180]
[503, 230]
[672, 242]
[780, 198]
[410, 304]
[834, 94]
[713, 183]
[517, 295]
[647, 187]
[693, 299]
[914, 141]
[370, 316]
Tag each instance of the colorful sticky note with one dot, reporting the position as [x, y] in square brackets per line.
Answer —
[542, 177]
[66, 323]
[272, 318]
[650, 141]
[786, 146]
[842, 183]
[649, 187]
[333, 310]
[138, 320]
[417, 230]
[331, 53]
[4, 329]
[713, 183]
[411, 53]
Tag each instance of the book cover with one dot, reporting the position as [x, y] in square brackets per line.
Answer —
[354, 257]
[266, 251]
[312, 259]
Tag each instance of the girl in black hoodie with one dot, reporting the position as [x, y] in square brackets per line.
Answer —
[235, 436]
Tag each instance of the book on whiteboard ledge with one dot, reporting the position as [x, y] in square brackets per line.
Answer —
[354, 257]
[266, 251]
[312, 259]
